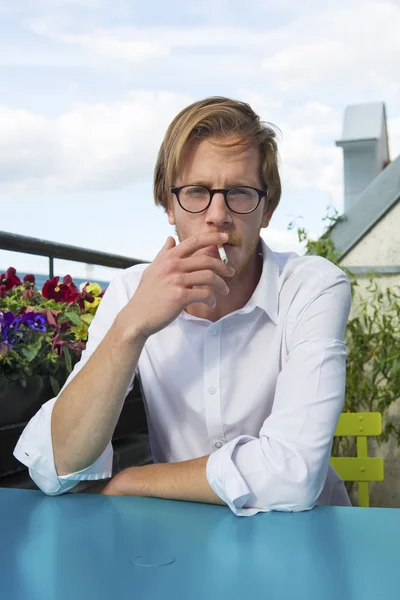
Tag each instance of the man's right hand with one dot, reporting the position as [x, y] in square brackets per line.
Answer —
[175, 279]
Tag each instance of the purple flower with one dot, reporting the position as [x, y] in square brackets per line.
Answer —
[34, 321]
[9, 326]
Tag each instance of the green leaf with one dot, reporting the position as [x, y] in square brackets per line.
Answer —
[55, 385]
[67, 356]
[30, 352]
[395, 368]
[72, 316]
[13, 376]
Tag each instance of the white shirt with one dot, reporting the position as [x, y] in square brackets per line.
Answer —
[260, 390]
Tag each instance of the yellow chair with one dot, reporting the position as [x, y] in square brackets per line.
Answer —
[361, 468]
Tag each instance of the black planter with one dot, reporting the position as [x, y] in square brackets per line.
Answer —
[18, 405]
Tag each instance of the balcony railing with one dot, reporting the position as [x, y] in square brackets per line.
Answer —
[31, 245]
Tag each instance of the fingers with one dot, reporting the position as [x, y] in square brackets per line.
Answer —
[169, 244]
[203, 262]
[199, 294]
[206, 278]
[199, 277]
[196, 242]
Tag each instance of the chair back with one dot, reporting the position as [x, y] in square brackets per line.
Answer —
[362, 468]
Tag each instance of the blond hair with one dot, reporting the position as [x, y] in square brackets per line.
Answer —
[217, 118]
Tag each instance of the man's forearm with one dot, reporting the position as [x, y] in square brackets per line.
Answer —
[86, 413]
[174, 481]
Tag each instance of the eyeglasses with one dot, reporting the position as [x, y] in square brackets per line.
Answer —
[197, 198]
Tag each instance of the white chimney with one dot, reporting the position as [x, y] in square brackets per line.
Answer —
[365, 148]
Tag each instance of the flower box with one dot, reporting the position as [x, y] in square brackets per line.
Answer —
[42, 336]
[18, 404]
[15, 413]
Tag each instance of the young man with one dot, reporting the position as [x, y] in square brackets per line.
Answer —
[242, 364]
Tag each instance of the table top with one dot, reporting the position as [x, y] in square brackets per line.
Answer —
[84, 546]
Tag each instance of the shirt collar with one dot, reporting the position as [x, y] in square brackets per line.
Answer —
[266, 293]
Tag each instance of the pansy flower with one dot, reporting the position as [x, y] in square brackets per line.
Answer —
[60, 292]
[9, 279]
[34, 321]
[9, 324]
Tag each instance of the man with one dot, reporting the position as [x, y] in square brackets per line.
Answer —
[242, 364]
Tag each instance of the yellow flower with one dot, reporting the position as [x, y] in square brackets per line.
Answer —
[91, 305]
[94, 289]
[81, 333]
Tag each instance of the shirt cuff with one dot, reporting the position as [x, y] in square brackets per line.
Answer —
[226, 481]
[35, 450]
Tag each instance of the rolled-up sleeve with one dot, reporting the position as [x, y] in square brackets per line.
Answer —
[35, 448]
[286, 467]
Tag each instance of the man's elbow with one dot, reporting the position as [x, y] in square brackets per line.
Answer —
[302, 501]
[299, 495]
[50, 487]
[291, 495]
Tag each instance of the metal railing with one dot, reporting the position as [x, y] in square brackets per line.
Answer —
[52, 250]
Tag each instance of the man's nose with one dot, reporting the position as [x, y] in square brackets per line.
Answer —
[218, 210]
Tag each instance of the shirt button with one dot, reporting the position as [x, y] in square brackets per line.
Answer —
[218, 444]
[212, 390]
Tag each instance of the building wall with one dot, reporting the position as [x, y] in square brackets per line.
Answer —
[381, 246]
[384, 281]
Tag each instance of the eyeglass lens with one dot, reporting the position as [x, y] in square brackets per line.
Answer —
[240, 199]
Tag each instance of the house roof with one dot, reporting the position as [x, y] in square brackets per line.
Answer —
[363, 122]
[376, 200]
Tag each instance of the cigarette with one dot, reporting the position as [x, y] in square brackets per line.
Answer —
[222, 254]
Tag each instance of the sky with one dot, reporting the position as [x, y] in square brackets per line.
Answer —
[89, 87]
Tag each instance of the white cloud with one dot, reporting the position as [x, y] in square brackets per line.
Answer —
[95, 146]
[281, 240]
[306, 142]
[111, 144]
[307, 163]
[355, 48]
[309, 157]
[121, 44]
[345, 54]
[102, 45]
[108, 146]
[167, 37]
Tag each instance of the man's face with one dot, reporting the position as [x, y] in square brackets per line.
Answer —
[221, 167]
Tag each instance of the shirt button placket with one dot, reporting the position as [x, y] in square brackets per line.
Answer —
[212, 386]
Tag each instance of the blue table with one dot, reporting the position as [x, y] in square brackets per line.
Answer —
[96, 547]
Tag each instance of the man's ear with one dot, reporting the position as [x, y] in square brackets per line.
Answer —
[267, 214]
[169, 209]
[171, 214]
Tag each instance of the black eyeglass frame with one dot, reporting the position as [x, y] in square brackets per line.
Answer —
[225, 192]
